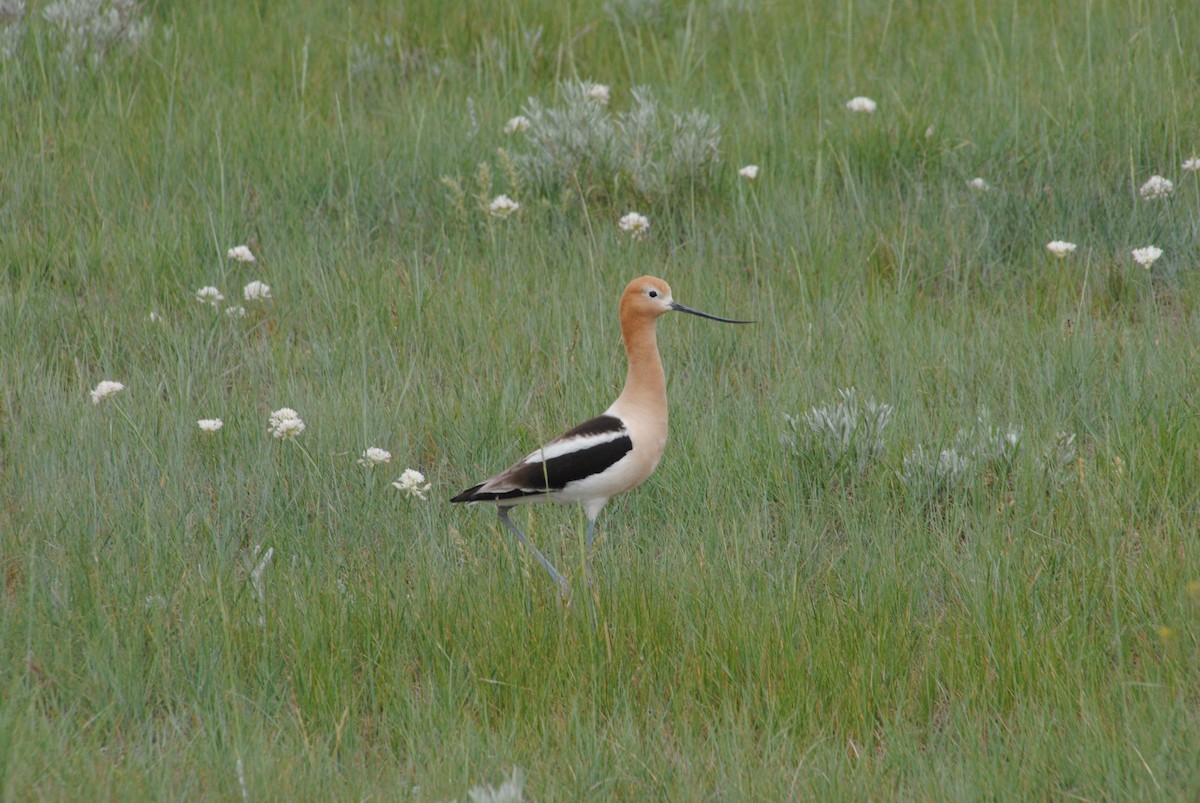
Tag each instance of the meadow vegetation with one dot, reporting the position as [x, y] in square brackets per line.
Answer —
[989, 590]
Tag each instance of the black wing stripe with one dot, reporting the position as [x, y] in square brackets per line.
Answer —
[467, 495]
[599, 425]
[558, 472]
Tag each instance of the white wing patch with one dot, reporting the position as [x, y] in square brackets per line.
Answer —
[580, 443]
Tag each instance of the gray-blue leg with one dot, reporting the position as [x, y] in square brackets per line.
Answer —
[591, 534]
[587, 551]
[558, 578]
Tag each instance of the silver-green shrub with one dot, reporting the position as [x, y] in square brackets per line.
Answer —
[580, 144]
[846, 434]
[91, 30]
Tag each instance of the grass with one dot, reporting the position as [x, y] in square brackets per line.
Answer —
[762, 624]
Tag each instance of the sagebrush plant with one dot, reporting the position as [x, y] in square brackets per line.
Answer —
[934, 476]
[510, 791]
[993, 448]
[1059, 460]
[580, 151]
[12, 27]
[643, 153]
[847, 434]
[90, 31]
[981, 451]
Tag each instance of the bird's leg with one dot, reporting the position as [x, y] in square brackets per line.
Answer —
[587, 550]
[591, 534]
[558, 578]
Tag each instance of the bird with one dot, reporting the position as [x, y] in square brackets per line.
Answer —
[607, 455]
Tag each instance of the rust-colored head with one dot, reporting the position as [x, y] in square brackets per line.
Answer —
[647, 297]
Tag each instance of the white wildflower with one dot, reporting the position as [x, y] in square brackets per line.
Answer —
[235, 312]
[373, 456]
[285, 423]
[861, 104]
[106, 389]
[1156, 187]
[155, 317]
[502, 206]
[412, 482]
[749, 172]
[517, 124]
[979, 185]
[210, 424]
[598, 93]
[289, 429]
[636, 225]
[240, 253]
[256, 291]
[210, 295]
[1060, 248]
[1146, 256]
[1192, 165]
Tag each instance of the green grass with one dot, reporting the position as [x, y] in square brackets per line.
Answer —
[760, 626]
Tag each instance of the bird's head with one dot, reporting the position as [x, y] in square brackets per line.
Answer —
[647, 297]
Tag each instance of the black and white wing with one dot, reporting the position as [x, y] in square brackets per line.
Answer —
[586, 451]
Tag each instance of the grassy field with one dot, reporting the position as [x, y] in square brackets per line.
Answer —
[996, 596]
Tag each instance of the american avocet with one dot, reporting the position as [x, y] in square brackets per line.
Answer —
[606, 455]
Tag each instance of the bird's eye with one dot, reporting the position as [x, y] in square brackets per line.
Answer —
[653, 294]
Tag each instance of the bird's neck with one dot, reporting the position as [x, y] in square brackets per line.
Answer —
[645, 383]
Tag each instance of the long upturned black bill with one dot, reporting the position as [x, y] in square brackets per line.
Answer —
[681, 308]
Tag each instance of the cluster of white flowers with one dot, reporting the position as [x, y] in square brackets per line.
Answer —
[1192, 165]
[1156, 187]
[634, 224]
[502, 206]
[517, 124]
[285, 423]
[1146, 256]
[241, 253]
[155, 317]
[373, 456]
[256, 291]
[749, 172]
[1060, 248]
[412, 482]
[209, 295]
[598, 93]
[979, 185]
[106, 389]
[861, 105]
